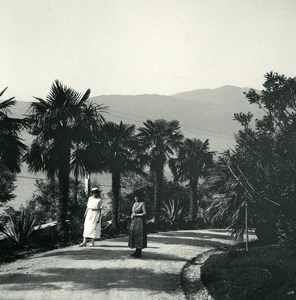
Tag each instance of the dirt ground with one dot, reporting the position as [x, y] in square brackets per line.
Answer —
[107, 271]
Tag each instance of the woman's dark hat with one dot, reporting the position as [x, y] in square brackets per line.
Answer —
[138, 193]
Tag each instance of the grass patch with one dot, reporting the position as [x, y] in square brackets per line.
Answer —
[267, 272]
[12, 253]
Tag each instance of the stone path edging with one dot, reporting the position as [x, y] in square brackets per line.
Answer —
[190, 277]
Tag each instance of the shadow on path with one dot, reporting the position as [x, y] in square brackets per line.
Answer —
[198, 242]
[82, 279]
[98, 254]
[119, 246]
[198, 239]
[199, 235]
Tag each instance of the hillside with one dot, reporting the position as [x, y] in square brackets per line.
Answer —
[206, 113]
[203, 113]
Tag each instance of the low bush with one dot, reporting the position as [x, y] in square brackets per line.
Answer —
[267, 272]
[45, 236]
[19, 227]
[6, 250]
[287, 231]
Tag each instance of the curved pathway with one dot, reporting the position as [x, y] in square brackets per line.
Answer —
[106, 271]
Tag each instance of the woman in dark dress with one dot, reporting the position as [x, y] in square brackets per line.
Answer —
[138, 234]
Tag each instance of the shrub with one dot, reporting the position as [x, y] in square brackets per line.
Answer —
[266, 233]
[44, 205]
[19, 227]
[287, 232]
[45, 236]
[173, 211]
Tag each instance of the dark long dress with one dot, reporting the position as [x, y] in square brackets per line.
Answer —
[138, 234]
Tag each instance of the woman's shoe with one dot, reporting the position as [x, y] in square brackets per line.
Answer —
[133, 254]
[91, 245]
[82, 245]
[138, 253]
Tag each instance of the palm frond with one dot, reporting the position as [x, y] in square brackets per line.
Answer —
[1, 93]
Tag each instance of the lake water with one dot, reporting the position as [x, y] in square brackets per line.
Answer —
[25, 187]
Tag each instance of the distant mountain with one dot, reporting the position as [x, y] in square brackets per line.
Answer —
[228, 94]
[203, 113]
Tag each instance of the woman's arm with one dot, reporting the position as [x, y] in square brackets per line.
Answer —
[143, 211]
[99, 215]
[100, 204]
[85, 212]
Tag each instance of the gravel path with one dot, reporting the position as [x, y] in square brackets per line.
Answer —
[106, 271]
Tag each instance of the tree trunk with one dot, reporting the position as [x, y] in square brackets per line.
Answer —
[76, 191]
[63, 176]
[87, 184]
[193, 200]
[115, 199]
[158, 183]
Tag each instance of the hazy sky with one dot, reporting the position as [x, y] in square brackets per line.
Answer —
[143, 46]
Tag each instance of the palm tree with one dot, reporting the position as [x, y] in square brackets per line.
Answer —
[229, 195]
[158, 139]
[11, 149]
[117, 145]
[193, 159]
[63, 120]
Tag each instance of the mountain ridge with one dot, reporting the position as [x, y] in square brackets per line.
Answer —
[199, 111]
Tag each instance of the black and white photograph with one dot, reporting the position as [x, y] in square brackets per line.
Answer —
[148, 149]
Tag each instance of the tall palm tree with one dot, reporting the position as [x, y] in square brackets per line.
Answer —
[11, 150]
[117, 144]
[63, 120]
[158, 139]
[193, 159]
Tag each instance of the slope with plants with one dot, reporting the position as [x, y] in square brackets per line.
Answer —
[255, 188]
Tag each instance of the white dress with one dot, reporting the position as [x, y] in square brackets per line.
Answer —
[92, 222]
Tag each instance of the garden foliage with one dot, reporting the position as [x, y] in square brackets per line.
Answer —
[261, 169]
[19, 227]
[44, 205]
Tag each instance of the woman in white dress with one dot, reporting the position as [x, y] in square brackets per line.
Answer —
[93, 214]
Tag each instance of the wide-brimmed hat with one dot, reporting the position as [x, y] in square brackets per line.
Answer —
[96, 189]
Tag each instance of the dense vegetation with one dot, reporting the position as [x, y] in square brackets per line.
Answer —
[72, 138]
[258, 177]
[259, 173]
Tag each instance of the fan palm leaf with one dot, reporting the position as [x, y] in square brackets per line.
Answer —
[157, 140]
[192, 162]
